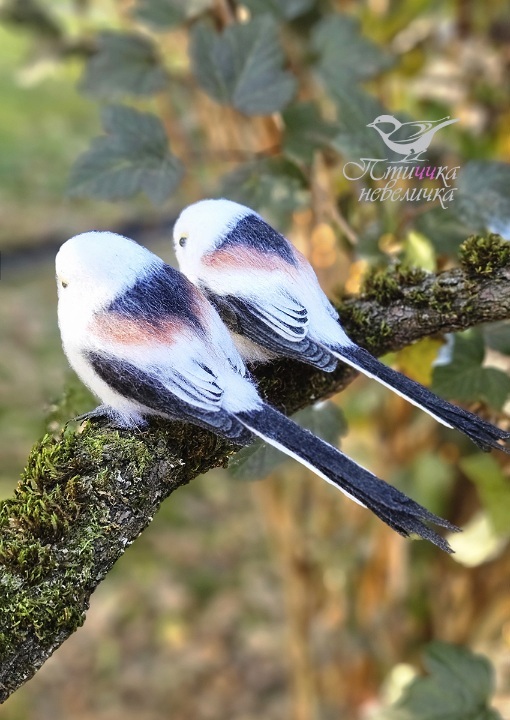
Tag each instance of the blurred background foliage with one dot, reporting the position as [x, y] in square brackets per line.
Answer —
[274, 599]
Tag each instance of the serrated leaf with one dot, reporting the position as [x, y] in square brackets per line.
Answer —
[305, 131]
[166, 14]
[493, 487]
[345, 55]
[275, 187]
[482, 198]
[458, 687]
[124, 64]
[133, 156]
[255, 462]
[282, 9]
[243, 66]
[462, 376]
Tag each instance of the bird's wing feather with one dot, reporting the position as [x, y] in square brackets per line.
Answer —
[283, 320]
[221, 340]
[284, 314]
[281, 326]
[191, 383]
[190, 394]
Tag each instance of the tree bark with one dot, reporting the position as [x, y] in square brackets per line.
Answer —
[87, 494]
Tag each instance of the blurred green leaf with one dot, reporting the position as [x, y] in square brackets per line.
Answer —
[345, 55]
[462, 376]
[274, 187]
[166, 14]
[369, 242]
[356, 109]
[482, 199]
[493, 487]
[497, 336]
[497, 387]
[243, 66]
[132, 157]
[458, 687]
[30, 15]
[324, 419]
[444, 229]
[428, 478]
[255, 462]
[283, 9]
[305, 131]
[160, 14]
[124, 64]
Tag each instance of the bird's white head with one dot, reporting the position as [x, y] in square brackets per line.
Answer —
[201, 227]
[95, 267]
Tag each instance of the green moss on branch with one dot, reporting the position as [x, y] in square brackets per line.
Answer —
[82, 499]
[483, 255]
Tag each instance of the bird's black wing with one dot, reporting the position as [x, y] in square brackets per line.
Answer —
[281, 327]
[177, 396]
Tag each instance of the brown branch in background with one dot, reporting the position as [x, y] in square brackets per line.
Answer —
[324, 202]
[85, 496]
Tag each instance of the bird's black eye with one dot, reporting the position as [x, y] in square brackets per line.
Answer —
[64, 283]
[182, 240]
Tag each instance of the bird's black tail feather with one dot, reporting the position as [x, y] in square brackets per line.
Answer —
[393, 507]
[481, 432]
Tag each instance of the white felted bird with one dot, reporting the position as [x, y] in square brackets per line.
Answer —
[146, 341]
[269, 296]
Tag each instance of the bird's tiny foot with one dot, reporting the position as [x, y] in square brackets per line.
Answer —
[113, 419]
[102, 411]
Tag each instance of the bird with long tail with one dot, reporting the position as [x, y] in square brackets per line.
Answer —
[270, 298]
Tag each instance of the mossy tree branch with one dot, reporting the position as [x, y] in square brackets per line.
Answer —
[84, 497]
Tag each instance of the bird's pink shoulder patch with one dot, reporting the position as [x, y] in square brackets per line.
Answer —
[116, 328]
[244, 258]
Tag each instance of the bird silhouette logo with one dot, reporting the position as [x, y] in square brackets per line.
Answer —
[410, 139]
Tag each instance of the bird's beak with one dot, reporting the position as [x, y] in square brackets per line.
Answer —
[371, 124]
